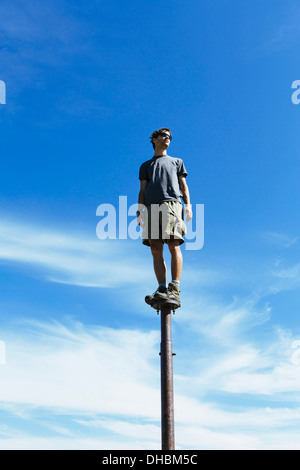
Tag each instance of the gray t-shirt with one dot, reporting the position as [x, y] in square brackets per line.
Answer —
[162, 173]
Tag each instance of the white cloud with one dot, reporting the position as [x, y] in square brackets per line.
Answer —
[291, 273]
[72, 258]
[106, 379]
[270, 370]
[219, 322]
[91, 370]
[28, 442]
[148, 432]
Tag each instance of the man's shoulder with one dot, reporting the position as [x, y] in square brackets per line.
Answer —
[144, 170]
[177, 159]
[166, 158]
[147, 162]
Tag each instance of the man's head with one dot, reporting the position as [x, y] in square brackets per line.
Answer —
[162, 137]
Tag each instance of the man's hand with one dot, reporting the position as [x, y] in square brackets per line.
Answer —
[141, 207]
[186, 198]
[188, 212]
[139, 219]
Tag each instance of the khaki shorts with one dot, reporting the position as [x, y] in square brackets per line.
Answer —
[163, 222]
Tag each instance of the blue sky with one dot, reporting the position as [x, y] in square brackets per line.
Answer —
[86, 84]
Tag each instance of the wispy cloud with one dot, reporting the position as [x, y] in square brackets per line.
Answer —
[291, 273]
[94, 379]
[105, 382]
[283, 34]
[281, 239]
[285, 277]
[271, 370]
[78, 368]
[23, 25]
[224, 322]
[71, 258]
[38, 37]
[287, 33]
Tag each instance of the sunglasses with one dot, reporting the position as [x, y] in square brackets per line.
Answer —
[164, 134]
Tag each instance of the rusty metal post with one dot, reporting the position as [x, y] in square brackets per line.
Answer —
[167, 393]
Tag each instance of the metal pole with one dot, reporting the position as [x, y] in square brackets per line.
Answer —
[167, 393]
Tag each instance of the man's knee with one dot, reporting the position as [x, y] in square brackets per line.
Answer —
[156, 247]
[174, 246]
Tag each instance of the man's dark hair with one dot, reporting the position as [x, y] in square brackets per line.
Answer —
[155, 134]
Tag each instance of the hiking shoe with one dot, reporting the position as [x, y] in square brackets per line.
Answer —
[173, 294]
[160, 295]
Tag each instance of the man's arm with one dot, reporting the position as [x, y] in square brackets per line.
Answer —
[186, 198]
[141, 202]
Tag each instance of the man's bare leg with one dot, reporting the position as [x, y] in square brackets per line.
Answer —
[176, 259]
[176, 269]
[159, 264]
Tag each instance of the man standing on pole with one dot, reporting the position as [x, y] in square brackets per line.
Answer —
[161, 215]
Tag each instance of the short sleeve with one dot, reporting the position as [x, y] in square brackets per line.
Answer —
[181, 171]
[143, 175]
